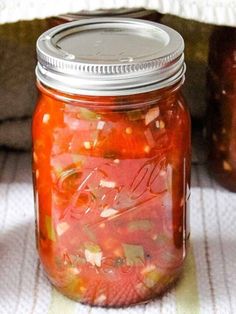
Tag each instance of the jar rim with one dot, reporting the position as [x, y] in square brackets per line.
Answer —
[131, 101]
[110, 56]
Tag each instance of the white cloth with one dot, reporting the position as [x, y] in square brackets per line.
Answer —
[209, 283]
[210, 11]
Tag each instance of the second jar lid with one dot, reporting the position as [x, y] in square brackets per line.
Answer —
[110, 56]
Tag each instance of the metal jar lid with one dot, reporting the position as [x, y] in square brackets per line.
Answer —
[110, 56]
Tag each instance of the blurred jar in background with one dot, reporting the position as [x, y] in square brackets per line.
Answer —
[138, 13]
[196, 37]
[221, 130]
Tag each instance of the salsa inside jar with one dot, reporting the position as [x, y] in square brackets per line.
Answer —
[111, 177]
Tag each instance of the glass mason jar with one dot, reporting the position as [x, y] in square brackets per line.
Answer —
[111, 160]
[221, 131]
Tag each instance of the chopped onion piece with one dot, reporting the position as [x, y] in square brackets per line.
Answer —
[107, 184]
[160, 124]
[100, 125]
[94, 258]
[151, 115]
[100, 299]
[46, 118]
[62, 228]
[74, 270]
[108, 212]
[87, 145]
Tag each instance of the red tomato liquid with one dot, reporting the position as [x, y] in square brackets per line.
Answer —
[111, 181]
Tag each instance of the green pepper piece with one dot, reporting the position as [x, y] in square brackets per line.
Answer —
[77, 260]
[91, 235]
[151, 278]
[75, 287]
[88, 114]
[50, 228]
[134, 254]
[162, 240]
[92, 247]
[143, 224]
